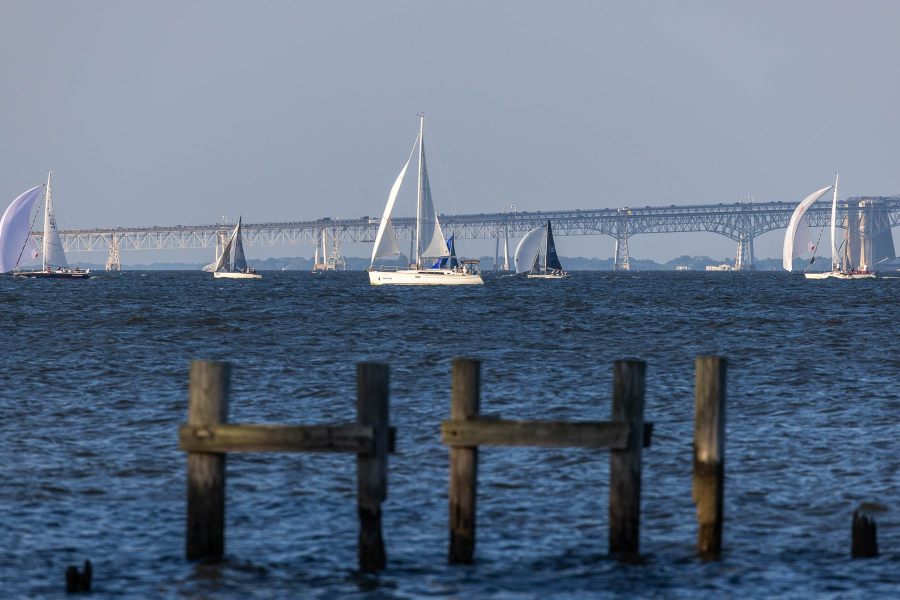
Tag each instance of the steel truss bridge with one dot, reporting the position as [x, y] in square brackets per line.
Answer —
[866, 217]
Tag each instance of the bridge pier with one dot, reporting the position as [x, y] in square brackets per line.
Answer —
[866, 246]
[622, 263]
[744, 260]
[112, 263]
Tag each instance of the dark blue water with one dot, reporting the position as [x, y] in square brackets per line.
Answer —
[93, 385]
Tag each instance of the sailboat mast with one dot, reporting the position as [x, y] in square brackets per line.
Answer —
[420, 198]
[47, 212]
[834, 252]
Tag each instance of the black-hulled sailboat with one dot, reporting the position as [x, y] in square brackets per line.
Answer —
[536, 255]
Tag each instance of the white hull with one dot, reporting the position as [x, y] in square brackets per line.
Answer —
[227, 275]
[840, 275]
[529, 276]
[423, 277]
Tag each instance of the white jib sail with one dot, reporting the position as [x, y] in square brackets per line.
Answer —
[386, 239]
[15, 230]
[54, 256]
[224, 262]
[797, 240]
[240, 262]
[528, 248]
[428, 230]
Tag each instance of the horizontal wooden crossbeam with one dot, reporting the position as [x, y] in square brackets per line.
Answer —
[547, 434]
[222, 438]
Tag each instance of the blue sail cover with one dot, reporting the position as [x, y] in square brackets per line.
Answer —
[448, 261]
[552, 258]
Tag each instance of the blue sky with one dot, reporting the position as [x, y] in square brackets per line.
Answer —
[176, 113]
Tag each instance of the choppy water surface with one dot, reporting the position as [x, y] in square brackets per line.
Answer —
[93, 386]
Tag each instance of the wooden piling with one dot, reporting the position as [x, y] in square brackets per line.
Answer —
[208, 404]
[465, 401]
[371, 468]
[865, 536]
[625, 464]
[709, 453]
[79, 581]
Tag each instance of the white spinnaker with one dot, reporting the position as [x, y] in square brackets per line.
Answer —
[54, 256]
[386, 239]
[429, 235]
[15, 230]
[834, 252]
[797, 240]
[528, 248]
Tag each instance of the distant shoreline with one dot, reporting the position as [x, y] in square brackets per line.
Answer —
[682, 263]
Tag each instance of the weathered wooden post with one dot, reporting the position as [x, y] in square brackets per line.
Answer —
[709, 453]
[865, 536]
[371, 469]
[463, 462]
[625, 464]
[207, 405]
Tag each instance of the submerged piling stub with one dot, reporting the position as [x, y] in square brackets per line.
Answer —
[865, 536]
[208, 405]
[625, 463]
[709, 454]
[79, 581]
[464, 405]
[371, 469]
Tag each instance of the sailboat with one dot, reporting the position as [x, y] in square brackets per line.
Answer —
[536, 255]
[16, 240]
[797, 241]
[430, 243]
[236, 267]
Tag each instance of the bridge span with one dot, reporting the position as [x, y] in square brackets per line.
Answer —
[867, 221]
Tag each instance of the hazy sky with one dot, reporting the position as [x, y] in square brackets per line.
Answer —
[156, 113]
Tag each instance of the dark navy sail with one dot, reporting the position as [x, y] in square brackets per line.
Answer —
[552, 258]
[452, 245]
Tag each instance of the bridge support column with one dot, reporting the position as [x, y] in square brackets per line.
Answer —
[744, 260]
[112, 263]
[622, 263]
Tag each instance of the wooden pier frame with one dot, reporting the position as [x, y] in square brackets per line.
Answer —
[207, 437]
[626, 435]
[709, 454]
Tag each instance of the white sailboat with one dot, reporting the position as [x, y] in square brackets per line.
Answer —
[536, 255]
[427, 267]
[797, 241]
[234, 267]
[16, 242]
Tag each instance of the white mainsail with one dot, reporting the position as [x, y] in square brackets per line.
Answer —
[797, 240]
[386, 239]
[834, 251]
[54, 256]
[240, 262]
[527, 250]
[15, 230]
